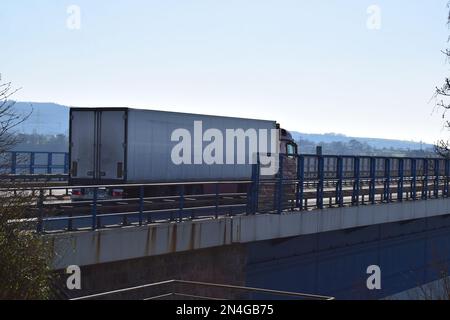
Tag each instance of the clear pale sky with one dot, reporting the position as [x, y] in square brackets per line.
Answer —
[314, 66]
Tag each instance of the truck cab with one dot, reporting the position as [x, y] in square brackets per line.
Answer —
[287, 143]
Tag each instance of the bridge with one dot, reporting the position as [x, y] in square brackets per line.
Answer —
[315, 227]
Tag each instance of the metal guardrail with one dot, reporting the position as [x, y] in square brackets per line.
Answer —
[176, 292]
[129, 211]
[331, 180]
[34, 162]
[304, 182]
[33, 178]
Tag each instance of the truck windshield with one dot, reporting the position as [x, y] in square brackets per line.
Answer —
[291, 149]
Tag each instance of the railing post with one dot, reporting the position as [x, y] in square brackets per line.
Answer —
[280, 186]
[340, 177]
[373, 164]
[356, 182]
[141, 204]
[414, 179]
[49, 162]
[425, 180]
[40, 224]
[252, 202]
[387, 179]
[66, 163]
[300, 181]
[216, 200]
[251, 193]
[446, 179]
[181, 207]
[319, 195]
[31, 169]
[436, 178]
[257, 183]
[94, 208]
[13, 162]
[401, 167]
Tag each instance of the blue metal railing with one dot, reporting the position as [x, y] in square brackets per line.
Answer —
[55, 210]
[304, 182]
[33, 162]
[354, 180]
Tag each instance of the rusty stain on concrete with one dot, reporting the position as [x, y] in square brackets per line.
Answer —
[148, 241]
[98, 243]
[173, 238]
[225, 234]
[153, 240]
[192, 238]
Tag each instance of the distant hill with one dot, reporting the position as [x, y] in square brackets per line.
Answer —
[53, 119]
[377, 143]
[45, 119]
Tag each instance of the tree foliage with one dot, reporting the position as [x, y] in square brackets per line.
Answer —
[24, 255]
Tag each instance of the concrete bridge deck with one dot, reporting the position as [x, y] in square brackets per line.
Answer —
[108, 245]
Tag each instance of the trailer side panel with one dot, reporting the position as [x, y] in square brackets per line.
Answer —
[150, 147]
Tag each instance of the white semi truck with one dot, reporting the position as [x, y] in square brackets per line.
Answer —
[117, 146]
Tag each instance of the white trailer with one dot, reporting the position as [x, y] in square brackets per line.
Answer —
[124, 145]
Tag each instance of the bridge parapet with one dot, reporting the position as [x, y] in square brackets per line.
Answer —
[108, 245]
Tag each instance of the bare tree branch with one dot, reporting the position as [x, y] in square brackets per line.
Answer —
[442, 101]
[24, 254]
[9, 117]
